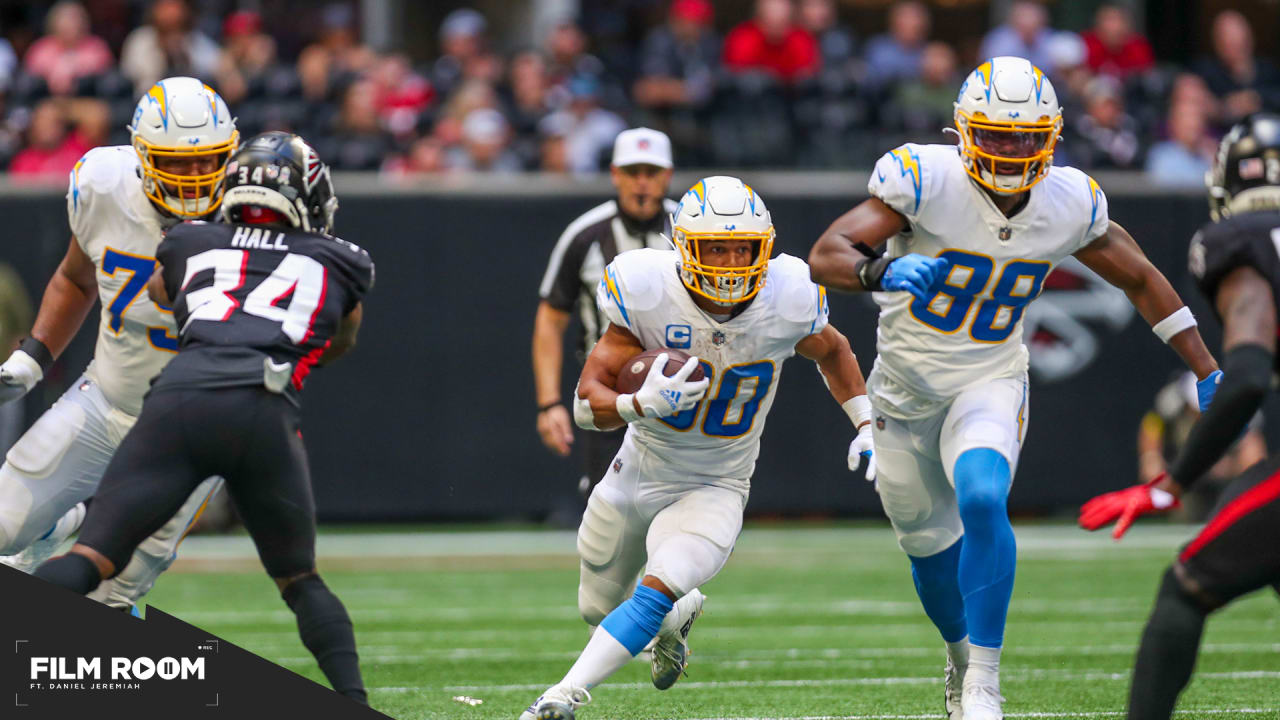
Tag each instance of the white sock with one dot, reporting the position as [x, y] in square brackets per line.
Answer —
[680, 613]
[984, 665]
[602, 657]
[958, 652]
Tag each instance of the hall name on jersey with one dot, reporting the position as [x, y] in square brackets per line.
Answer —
[258, 238]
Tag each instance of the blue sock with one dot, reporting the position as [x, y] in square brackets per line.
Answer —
[635, 622]
[990, 552]
[937, 584]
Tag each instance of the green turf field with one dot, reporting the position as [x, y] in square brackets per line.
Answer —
[802, 623]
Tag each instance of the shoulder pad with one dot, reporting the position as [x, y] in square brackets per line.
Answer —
[634, 283]
[798, 299]
[1220, 247]
[1080, 196]
[103, 171]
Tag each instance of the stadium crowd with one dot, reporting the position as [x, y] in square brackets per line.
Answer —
[789, 86]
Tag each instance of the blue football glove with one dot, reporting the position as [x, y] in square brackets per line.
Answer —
[1206, 388]
[917, 274]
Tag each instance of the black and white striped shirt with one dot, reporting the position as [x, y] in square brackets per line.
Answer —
[581, 254]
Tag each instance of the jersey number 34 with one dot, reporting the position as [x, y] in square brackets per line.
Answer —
[1000, 309]
[297, 278]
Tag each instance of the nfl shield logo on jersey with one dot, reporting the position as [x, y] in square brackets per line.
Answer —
[718, 338]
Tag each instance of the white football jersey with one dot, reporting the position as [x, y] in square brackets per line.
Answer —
[119, 229]
[642, 292]
[971, 331]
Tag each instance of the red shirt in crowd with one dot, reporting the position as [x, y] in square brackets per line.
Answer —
[49, 164]
[747, 48]
[1131, 57]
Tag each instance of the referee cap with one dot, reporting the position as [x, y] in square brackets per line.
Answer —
[642, 146]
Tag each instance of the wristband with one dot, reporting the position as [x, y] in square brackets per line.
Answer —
[38, 352]
[548, 406]
[871, 272]
[858, 408]
[627, 408]
[1178, 320]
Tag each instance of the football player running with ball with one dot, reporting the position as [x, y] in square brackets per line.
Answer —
[120, 202]
[972, 232]
[260, 301]
[1236, 263]
[671, 503]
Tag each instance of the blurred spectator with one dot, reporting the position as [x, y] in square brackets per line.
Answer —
[471, 95]
[401, 94]
[1183, 159]
[52, 150]
[357, 141]
[836, 43]
[67, 51]
[589, 130]
[1105, 136]
[485, 135]
[248, 54]
[897, 55]
[90, 120]
[425, 156]
[1025, 33]
[1114, 47]
[928, 103]
[462, 41]
[15, 322]
[527, 102]
[678, 60]
[329, 64]
[773, 43]
[1243, 82]
[568, 59]
[167, 46]
[554, 155]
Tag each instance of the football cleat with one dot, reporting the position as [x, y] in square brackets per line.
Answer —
[671, 651]
[42, 549]
[557, 703]
[982, 701]
[953, 684]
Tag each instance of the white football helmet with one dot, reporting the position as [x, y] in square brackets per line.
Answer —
[722, 208]
[181, 117]
[1009, 121]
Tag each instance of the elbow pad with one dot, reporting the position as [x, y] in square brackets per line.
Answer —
[583, 417]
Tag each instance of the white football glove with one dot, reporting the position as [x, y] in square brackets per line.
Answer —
[18, 375]
[863, 449]
[662, 396]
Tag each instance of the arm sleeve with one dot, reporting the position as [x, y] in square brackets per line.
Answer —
[1099, 221]
[1246, 375]
[610, 297]
[898, 181]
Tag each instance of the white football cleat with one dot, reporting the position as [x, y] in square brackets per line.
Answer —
[557, 703]
[982, 701]
[42, 549]
[671, 651]
[953, 685]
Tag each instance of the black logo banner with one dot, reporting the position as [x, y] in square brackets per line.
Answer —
[61, 654]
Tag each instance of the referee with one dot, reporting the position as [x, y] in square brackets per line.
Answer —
[636, 218]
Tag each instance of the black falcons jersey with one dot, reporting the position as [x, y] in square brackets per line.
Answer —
[256, 305]
[1251, 239]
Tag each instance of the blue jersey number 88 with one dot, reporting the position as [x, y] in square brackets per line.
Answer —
[1018, 283]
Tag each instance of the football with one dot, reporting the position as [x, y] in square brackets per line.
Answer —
[632, 375]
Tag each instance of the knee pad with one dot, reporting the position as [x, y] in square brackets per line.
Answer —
[683, 562]
[982, 480]
[600, 534]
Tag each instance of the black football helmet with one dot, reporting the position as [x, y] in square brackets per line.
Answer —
[279, 171]
[1246, 173]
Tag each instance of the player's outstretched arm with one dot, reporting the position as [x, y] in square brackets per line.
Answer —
[554, 426]
[1245, 302]
[835, 258]
[68, 298]
[839, 367]
[1118, 259]
[344, 340]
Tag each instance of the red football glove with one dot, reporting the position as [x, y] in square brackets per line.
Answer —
[1125, 506]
